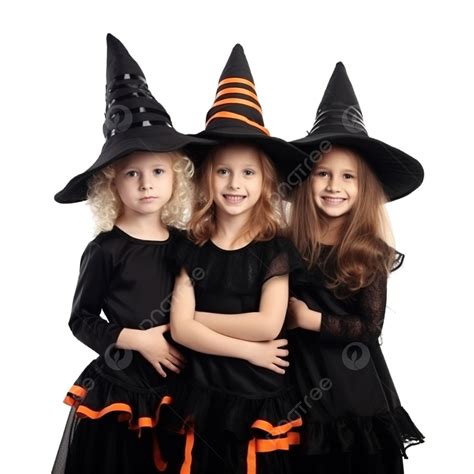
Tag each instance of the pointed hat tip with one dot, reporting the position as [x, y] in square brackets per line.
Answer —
[113, 41]
[237, 53]
[119, 60]
[238, 48]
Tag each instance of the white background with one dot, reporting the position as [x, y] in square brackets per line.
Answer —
[411, 67]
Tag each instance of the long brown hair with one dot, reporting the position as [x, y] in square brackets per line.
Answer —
[266, 219]
[365, 238]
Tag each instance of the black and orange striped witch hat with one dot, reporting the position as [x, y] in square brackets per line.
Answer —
[236, 115]
[134, 121]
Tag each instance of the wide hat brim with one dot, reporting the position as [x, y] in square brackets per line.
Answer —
[399, 173]
[287, 159]
[152, 139]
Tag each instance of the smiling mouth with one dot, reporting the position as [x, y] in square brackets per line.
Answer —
[333, 200]
[234, 198]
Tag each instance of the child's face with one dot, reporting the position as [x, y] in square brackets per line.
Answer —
[334, 182]
[237, 178]
[144, 182]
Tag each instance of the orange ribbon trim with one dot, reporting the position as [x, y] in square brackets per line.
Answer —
[277, 430]
[252, 457]
[125, 415]
[237, 101]
[267, 445]
[188, 452]
[160, 464]
[125, 409]
[242, 118]
[229, 80]
[236, 90]
[78, 391]
[255, 445]
[258, 445]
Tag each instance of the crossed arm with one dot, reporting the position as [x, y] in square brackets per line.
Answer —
[189, 332]
[262, 325]
[364, 325]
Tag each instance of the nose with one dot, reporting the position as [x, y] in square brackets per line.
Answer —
[333, 185]
[145, 183]
[234, 182]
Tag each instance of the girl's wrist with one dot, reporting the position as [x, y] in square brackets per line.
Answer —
[130, 339]
[247, 350]
[311, 320]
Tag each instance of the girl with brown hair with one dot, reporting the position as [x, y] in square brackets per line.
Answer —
[353, 419]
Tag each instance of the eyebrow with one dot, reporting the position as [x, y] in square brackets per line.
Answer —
[158, 163]
[347, 170]
[248, 165]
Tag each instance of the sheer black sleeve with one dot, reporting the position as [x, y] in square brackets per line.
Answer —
[366, 324]
[281, 258]
[85, 321]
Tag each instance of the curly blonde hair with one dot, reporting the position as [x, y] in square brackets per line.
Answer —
[106, 205]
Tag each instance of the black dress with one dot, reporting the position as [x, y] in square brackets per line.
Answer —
[237, 417]
[353, 418]
[119, 397]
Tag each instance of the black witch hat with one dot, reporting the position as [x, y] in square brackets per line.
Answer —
[236, 115]
[339, 121]
[134, 120]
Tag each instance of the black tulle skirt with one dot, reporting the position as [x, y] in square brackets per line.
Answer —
[353, 421]
[385, 461]
[116, 422]
[236, 418]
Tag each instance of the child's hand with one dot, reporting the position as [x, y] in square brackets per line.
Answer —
[269, 355]
[296, 309]
[159, 352]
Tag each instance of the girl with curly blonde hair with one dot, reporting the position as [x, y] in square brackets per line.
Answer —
[139, 190]
[107, 207]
